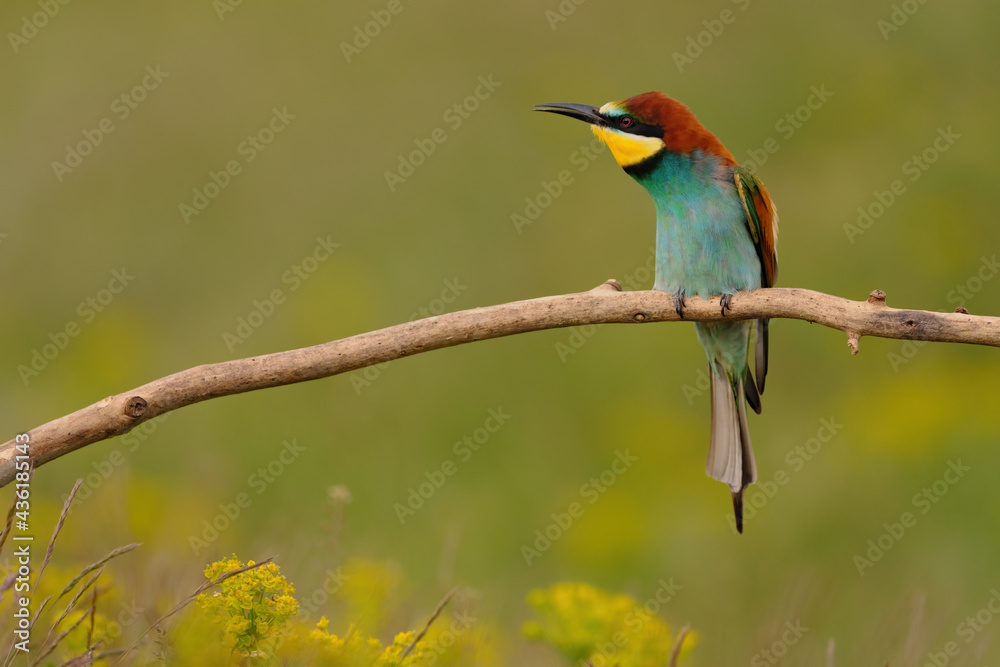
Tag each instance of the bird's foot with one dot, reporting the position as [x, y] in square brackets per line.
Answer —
[725, 303]
[679, 302]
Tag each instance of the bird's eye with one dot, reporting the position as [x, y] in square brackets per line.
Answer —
[626, 121]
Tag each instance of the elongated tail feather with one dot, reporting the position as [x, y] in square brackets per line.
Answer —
[750, 388]
[760, 355]
[730, 452]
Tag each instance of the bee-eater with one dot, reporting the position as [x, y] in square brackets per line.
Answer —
[716, 229]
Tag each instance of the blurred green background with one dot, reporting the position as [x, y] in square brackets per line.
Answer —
[445, 239]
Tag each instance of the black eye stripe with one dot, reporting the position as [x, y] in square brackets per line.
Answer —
[632, 125]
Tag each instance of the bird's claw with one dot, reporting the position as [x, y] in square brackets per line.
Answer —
[679, 302]
[725, 303]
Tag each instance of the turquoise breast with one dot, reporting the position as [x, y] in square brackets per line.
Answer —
[702, 242]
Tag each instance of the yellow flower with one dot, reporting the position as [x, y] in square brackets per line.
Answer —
[258, 603]
[589, 625]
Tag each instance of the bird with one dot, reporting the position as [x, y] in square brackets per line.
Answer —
[716, 234]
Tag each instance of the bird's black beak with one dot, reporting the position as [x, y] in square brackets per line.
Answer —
[584, 112]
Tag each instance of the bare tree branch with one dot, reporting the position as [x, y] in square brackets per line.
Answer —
[605, 304]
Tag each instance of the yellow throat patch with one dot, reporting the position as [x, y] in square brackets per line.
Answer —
[628, 149]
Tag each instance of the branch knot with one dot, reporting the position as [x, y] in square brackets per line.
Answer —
[877, 297]
[135, 407]
[609, 284]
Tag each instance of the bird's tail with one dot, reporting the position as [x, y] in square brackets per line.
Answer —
[730, 453]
